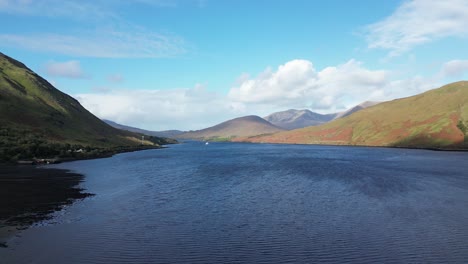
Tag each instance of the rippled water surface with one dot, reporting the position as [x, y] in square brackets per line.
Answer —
[246, 203]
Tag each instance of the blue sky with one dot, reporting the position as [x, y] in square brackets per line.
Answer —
[188, 64]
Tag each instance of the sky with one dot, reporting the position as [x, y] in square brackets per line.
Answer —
[190, 64]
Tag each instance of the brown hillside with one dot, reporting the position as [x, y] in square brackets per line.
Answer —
[435, 119]
[239, 127]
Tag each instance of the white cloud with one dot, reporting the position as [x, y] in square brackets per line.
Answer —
[115, 78]
[68, 69]
[76, 9]
[417, 22]
[298, 84]
[455, 68]
[112, 36]
[193, 108]
[406, 87]
[295, 84]
[102, 44]
[71, 9]
[157, 3]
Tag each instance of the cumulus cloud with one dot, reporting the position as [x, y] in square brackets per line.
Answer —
[407, 87]
[298, 84]
[295, 84]
[69, 69]
[455, 68]
[417, 22]
[192, 108]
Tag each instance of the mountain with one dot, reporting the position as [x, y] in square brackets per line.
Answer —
[435, 119]
[165, 133]
[358, 107]
[239, 127]
[37, 119]
[292, 119]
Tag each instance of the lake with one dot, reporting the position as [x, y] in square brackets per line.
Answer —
[259, 203]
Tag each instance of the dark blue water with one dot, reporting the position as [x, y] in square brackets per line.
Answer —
[246, 203]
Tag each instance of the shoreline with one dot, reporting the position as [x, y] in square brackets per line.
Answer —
[30, 194]
[82, 156]
[20, 188]
[365, 146]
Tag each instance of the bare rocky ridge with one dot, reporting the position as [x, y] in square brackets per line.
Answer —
[293, 119]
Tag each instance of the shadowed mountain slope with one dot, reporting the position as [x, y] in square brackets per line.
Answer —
[166, 133]
[38, 119]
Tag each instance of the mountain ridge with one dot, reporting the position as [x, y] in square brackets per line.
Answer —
[437, 118]
[356, 108]
[165, 133]
[242, 126]
[36, 119]
[292, 118]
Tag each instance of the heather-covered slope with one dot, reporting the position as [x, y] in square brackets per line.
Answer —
[37, 119]
[434, 119]
[238, 127]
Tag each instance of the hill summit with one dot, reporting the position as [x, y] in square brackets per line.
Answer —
[435, 119]
[238, 127]
[292, 119]
[36, 119]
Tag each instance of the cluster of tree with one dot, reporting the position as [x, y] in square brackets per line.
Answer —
[19, 144]
[161, 140]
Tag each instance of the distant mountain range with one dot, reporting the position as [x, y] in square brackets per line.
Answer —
[36, 119]
[255, 125]
[239, 127]
[292, 119]
[250, 125]
[435, 119]
[166, 133]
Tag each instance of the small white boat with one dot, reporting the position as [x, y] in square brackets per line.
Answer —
[207, 143]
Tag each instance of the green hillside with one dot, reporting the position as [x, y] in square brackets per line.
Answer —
[36, 119]
[435, 119]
